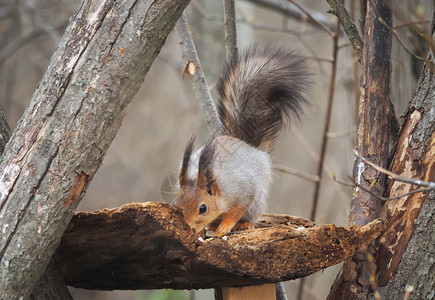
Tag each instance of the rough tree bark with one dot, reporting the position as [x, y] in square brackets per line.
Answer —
[150, 246]
[372, 142]
[73, 116]
[51, 285]
[5, 132]
[404, 253]
[407, 249]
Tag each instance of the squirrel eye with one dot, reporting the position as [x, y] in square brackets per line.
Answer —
[202, 209]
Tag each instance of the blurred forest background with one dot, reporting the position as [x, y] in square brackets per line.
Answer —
[141, 165]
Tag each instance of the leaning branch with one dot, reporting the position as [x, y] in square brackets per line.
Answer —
[55, 150]
[194, 71]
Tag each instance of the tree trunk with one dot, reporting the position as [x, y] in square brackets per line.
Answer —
[372, 142]
[51, 285]
[64, 134]
[406, 250]
[404, 253]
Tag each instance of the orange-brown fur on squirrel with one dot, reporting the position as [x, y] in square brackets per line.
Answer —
[225, 183]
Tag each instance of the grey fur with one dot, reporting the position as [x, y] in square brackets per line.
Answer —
[259, 91]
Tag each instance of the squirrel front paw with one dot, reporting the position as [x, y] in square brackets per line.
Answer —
[229, 220]
[223, 229]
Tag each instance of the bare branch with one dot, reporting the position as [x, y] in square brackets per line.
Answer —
[394, 197]
[337, 135]
[21, 41]
[199, 83]
[409, 24]
[287, 9]
[331, 91]
[394, 176]
[296, 172]
[207, 16]
[230, 30]
[396, 35]
[68, 126]
[311, 17]
[367, 190]
[338, 9]
[320, 165]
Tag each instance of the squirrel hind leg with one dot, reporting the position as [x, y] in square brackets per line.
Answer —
[243, 225]
[229, 220]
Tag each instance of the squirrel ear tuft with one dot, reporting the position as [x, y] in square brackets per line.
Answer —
[206, 178]
[186, 162]
[207, 181]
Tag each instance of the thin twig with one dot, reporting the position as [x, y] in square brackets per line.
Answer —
[423, 34]
[289, 10]
[327, 122]
[394, 176]
[324, 137]
[230, 30]
[199, 83]
[344, 197]
[315, 57]
[21, 41]
[394, 197]
[296, 172]
[341, 181]
[367, 190]
[242, 20]
[338, 9]
[309, 49]
[311, 17]
[336, 135]
[205, 14]
[266, 27]
[410, 24]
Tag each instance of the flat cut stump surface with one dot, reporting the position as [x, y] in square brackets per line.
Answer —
[149, 246]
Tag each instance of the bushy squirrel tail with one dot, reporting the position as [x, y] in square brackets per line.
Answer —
[259, 91]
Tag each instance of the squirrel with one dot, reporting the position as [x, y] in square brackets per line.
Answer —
[225, 183]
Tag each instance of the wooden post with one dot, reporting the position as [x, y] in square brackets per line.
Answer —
[263, 292]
